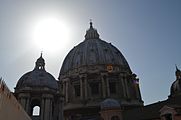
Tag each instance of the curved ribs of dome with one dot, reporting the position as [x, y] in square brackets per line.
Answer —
[93, 51]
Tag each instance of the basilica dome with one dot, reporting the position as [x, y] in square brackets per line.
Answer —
[93, 71]
[38, 77]
[93, 51]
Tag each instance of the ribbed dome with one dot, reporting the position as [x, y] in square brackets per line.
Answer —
[93, 51]
[110, 103]
[38, 77]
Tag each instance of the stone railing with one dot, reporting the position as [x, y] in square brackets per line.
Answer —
[10, 109]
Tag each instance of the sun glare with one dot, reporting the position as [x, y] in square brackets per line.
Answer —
[51, 34]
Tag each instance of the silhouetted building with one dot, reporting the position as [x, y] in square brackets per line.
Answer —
[95, 83]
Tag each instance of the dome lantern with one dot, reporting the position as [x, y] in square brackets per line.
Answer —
[40, 63]
[91, 33]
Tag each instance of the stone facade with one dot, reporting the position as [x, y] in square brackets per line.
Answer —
[95, 83]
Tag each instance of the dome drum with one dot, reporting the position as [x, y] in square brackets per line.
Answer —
[91, 69]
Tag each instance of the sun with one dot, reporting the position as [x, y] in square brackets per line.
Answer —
[51, 34]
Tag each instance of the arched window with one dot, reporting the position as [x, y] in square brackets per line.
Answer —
[35, 107]
[36, 111]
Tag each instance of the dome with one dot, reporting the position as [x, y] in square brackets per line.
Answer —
[38, 77]
[176, 86]
[93, 51]
[110, 103]
[95, 70]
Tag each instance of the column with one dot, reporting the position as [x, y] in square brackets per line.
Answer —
[67, 90]
[138, 94]
[122, 84]
[108, 89]
[47, 106]
[103, 85]
[42, 108]
[64, 87]
[24, 101]
[60, 113]
[27, 104]
[126, 86]
[103, 88]
[81, 88]
[85, 87]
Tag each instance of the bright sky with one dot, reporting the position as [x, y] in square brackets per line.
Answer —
[147, 32]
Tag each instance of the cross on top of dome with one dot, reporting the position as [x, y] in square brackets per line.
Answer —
[40, 63]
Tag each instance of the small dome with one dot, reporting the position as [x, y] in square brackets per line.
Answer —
[110, 103]
[38, 77]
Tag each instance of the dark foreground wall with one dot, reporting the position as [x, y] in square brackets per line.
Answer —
[10, 109]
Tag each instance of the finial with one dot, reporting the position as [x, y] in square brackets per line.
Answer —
[41, 53]
[91, 23]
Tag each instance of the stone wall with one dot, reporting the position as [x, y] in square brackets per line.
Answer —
[10, 109]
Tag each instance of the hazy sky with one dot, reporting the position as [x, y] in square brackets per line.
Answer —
[147, 32]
